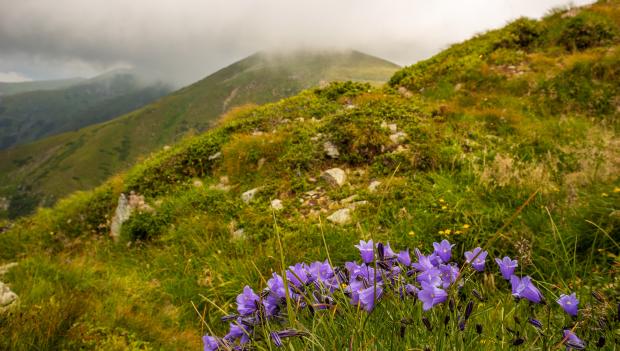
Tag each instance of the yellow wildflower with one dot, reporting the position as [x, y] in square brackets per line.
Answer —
[616, 190]
[444, 207]
[411, 233]
[604, 194]
[466, 226]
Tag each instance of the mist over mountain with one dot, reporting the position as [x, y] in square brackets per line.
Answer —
[40, 172]
[60, 106]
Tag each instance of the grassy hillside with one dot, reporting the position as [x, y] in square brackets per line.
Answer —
[508, 141]
[33, 115]
[23, 87]
[41, 172]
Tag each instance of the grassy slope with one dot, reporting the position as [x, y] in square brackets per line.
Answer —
[55, 166]
[482, 137]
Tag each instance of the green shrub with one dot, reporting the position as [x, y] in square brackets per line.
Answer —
[587, 30]
[520, 34]
[336, 90]
[142, 226]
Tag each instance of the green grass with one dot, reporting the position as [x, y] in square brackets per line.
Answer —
[474, 154]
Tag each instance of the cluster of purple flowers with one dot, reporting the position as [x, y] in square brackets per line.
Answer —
[313, 286]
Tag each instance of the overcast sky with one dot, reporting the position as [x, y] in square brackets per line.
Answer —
[185, 40]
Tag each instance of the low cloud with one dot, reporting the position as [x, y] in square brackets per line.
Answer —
[13, 77]
[185, 40]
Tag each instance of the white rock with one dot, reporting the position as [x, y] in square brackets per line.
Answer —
[276, 204]
[373, 186]
[7, 296]
[124, 209]
[238, 234]
[352, 206]
[393, 127]
[261, 163]
[335, 176]
[6, 267]
[197, 183]
[215, 156]
[330, 149]
[167, 147]
[349, 199]
[248, 196]
[121, 214]
[342, 216]
[398, 137]
[350, 106]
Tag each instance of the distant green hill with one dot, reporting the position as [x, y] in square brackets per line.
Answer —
[23, 87]
[40, 172]
[29, 116]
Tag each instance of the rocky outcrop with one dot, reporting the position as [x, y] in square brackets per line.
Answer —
[249, 195]
[373, 186]
[126, 206]
[335, 176]
[7, 297]
[222, 185]
[342, 216]
[331, 150]
[276, 204]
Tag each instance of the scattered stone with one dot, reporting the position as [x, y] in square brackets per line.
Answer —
[261, 163]
[330, 149]
[197, 183]
[248, 196]
[276, 204]
[350, 106]
[215, 156]
[398, 137]
[312, 180]
[6, 267]
[335, 176]
[352, 206]
[373, 186]
[7, 297]
[167, 147]
[5, 203]
[393, 127]
[342, 216]
[349, 199]
[404, 92]
[257, 133]
[223, 184]
[124, 209]
[238, 234]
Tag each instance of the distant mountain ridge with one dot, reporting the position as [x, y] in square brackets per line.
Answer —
[23, 87]
[32, 115]
[40, 172]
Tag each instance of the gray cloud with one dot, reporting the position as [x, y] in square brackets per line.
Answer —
[186, 40]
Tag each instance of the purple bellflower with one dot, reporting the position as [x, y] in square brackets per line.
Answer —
[210, 343]
[477, 258]
[370, 296]
[431, 295]
[367, 250]
[524, 289]
[424, 262]
[443, 250]
[238, 331]
[247, 301]
[404, 258]
[572, 342]
[569, 303]
[507, 266]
